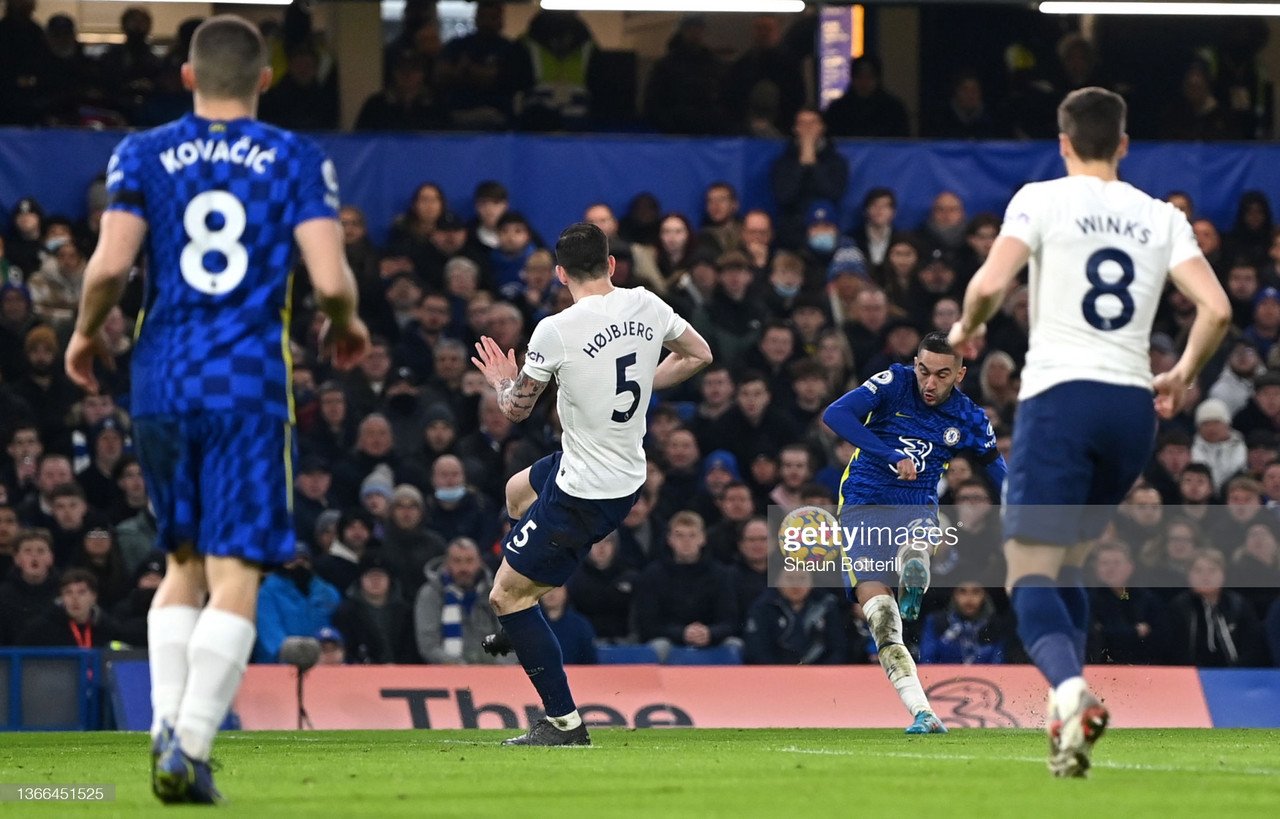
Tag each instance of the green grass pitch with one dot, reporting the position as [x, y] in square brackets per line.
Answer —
[677, 772]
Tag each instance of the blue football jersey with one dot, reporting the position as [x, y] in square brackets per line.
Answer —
[901, 419]
[221, 199]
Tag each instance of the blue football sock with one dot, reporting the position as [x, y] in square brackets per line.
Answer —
[1045, 628]
[1076, 598]
[539, 652]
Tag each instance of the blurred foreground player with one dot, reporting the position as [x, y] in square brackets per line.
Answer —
[604, 352]
[224, 198]
[1100, 251]
[907, 423]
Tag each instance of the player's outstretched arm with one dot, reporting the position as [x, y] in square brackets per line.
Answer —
[844, 418]
[1196, 280]
[690, 354]
[517, 390]
[105, 277]
[345, 335]
[987, 288]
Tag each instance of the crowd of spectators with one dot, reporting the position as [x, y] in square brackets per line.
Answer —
[399, 489]
[555, 77]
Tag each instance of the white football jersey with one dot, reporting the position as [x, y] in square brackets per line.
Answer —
[1100, 255]
[603, 351]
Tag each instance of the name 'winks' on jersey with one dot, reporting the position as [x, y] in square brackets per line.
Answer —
[603, 351]
[221, 200]
[930, 436]
[1100, 254]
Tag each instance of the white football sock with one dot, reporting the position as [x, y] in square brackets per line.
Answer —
[568, 722]
[168, 632]
[886, 627]
[217, 656]
[1067, 695]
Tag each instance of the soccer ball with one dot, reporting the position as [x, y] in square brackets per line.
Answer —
[809, 533]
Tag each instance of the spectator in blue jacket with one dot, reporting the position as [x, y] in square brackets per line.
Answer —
[292, 602]
[968, 632]
[577, 638]
[790, 625]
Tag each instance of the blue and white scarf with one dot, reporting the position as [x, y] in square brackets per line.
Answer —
[457, 608]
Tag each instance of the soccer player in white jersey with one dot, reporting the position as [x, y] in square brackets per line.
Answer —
[604, 353]
[1100, 251]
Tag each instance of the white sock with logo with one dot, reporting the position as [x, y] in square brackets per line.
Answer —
[568, 722]
[217, 656]
[897, 662]
[168, 632]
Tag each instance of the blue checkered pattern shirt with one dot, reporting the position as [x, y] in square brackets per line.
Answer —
[221, 200]
[901, 425]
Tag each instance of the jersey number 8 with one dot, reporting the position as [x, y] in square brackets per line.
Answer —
[223, 241]
[1118, 290]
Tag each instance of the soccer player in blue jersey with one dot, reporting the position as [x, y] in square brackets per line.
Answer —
[907, 422]
[1100, 252]
[224, 198]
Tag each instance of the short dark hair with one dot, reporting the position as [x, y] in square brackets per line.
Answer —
[490, 191]
[583, 251]
[126, 461]
[513, 217]
[936, 342]
[747, 376]
[718, 367]
[228, 55]
[67, 490]
[72, 576]
[35, 533]
[980, 221]
[1173, 437]
[1197, 468]
[807, 368]
[879, 193]
[1093, 120]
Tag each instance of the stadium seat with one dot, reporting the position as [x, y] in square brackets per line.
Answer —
[626, 655]
[727, 654]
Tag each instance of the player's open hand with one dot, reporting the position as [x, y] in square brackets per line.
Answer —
[906, 469]
[347, 344]
[496, 365]
[1171, 393]
[966, 344]
[79, 362]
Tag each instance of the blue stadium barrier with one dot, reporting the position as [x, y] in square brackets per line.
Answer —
[626, 655]
[50, 689]
[726, 654]
[129, 685]
[553, 178]
[1242, 697]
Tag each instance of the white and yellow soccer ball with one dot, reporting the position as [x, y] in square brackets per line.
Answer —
[810, 533]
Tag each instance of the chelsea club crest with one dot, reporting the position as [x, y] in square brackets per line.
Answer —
[951, 437]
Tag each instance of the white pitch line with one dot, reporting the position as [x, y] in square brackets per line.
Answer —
[1121, 766]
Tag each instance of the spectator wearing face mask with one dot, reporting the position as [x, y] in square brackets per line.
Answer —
[293, 602]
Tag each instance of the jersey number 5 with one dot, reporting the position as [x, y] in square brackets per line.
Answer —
[1118, 290]
[208, 243]
[626, 385]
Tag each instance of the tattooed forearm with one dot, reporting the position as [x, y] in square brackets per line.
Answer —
[517, 396]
